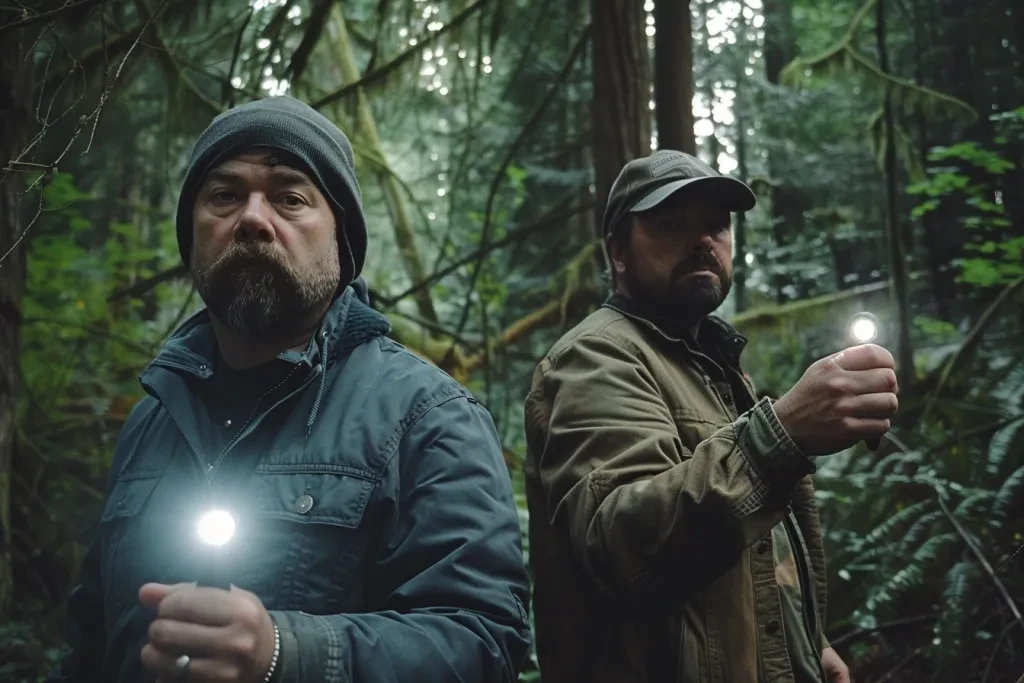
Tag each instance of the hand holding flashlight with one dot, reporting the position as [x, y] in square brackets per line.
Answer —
[841, 399]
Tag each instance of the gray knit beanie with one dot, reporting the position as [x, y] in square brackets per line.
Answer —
[289, 125]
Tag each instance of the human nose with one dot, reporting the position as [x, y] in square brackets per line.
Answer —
[254, 223]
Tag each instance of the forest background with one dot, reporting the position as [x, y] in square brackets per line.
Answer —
[885, 140]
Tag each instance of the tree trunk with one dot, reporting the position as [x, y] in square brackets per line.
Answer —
[941, 282]
[621, 73]
[405, 235]
[673, 75]
[15, 119]
[714, 144]
[899, 283]
[786, 204]
[740, 241]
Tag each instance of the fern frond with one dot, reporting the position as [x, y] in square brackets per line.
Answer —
[934, 552]
[972, 502]
[1010, 495]
[893, 525]
[918, 531]
[1000, 445]
[958, 599]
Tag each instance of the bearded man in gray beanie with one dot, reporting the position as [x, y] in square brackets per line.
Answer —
[368, 525]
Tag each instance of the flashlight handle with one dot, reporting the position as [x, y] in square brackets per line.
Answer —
[212, 574]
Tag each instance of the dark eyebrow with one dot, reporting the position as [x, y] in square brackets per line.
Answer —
[280, 176]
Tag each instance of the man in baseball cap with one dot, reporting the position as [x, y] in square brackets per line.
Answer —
[673, 530]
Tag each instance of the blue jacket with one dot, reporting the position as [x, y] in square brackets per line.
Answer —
[401, 562]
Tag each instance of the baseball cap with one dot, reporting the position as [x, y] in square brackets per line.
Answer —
[644, 183]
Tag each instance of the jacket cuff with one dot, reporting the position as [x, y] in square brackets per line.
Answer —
[770, 449]
[310, 649]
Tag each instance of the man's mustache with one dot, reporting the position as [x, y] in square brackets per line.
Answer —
[241, 254]
[700, 261]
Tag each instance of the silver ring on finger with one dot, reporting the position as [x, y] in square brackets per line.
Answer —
[181, 665]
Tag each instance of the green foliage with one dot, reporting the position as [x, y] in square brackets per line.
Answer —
[970, 179]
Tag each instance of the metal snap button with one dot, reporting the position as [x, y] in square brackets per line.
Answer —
[304, 504]
[763, 547]
[772, 626]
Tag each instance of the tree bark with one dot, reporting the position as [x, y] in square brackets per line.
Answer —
[621, 74]
[739, 114]
[942, 283]
[15, 119]
[673, 75]
[405, 235]
[786, 204]
[900, 289]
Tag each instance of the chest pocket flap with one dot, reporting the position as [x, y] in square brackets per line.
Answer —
[129, 495]
[317, 494]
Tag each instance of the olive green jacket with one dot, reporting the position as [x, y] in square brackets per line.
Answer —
[653, 489]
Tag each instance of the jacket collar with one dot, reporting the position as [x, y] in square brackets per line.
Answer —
[713, 333]
[349, 322]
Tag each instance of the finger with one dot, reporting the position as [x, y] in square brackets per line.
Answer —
[875, 381]
[174, 637]
[151, 594]
[201, 605]
[200, 669]
[864, 429]
[864, 357]
[878, 406]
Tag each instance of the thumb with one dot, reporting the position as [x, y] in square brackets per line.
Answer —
[151, 594]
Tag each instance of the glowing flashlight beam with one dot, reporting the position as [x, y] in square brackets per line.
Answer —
[864, 328]
[216, 527]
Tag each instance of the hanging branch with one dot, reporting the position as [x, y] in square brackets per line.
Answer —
[509, 155]
[401, 59]
[515, 236]
[83, 120]
[46, 16]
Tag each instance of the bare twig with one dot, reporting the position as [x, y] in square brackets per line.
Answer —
[83, 120]
[401, 59]
[140, 288]
[515, 236]
[884, 626]
[981, 559]
[227, 93]
[95, 331]
[995, 650]
[902, 664]
[973, 339]
[46, 16]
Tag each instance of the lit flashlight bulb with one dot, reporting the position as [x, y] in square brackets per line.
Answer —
[864, 328]
[216, 527]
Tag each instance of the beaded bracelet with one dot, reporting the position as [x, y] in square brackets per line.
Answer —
[277, 653]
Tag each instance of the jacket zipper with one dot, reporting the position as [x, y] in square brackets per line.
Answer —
[212, 467]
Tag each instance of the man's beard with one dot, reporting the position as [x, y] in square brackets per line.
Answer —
[253, 292]
[681, 299]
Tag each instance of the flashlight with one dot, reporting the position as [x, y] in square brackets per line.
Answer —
[863, 328]
[215, 529]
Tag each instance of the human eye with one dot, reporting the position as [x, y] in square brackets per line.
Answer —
[221, 196]
[293, 201]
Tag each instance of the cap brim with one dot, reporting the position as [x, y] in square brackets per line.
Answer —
[731, 194]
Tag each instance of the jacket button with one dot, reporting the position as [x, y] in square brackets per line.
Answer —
[304, 504]
[772, 626]
[763, 547]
